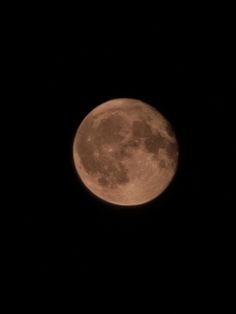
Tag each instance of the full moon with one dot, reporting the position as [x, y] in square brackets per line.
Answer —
[125, 152]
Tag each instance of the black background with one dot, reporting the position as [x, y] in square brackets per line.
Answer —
[174, 248]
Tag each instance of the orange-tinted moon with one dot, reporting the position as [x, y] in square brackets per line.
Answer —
[125, 152]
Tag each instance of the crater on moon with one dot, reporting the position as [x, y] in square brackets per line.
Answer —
[125, 152]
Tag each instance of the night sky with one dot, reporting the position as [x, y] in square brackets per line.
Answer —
[170, 249]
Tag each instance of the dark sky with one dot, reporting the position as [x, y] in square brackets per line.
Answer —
[171, 248]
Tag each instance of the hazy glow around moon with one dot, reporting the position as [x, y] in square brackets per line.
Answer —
[125, 152]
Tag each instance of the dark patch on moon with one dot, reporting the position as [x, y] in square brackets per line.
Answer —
[119, 174]
[122, 152]
[131, 143]
[162, 163]
[113, 174]
[103, 181]
[109, 130]
[141, 129]
[172, 149]
[154, 142]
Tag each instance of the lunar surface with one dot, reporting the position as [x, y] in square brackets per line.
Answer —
[125, 152]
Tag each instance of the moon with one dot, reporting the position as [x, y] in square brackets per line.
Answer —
[125, 152]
